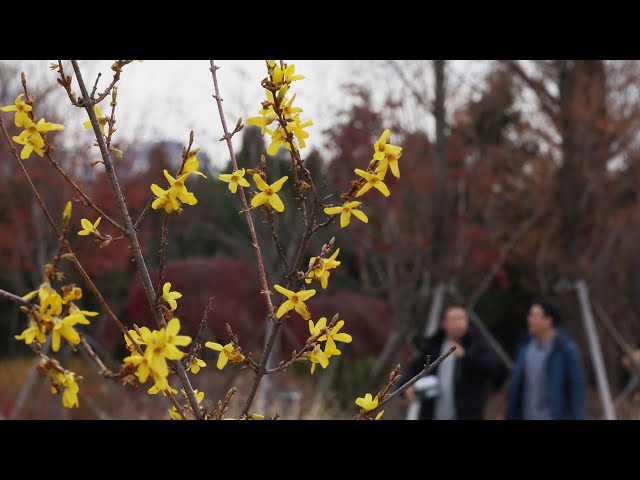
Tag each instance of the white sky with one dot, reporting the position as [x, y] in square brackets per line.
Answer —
[165, 99]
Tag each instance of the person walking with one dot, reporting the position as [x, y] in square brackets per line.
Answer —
[462, 379]
[548, 381]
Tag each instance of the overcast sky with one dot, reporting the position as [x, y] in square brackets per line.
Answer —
[165, 99]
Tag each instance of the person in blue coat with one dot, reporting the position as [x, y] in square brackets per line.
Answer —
[548, 381]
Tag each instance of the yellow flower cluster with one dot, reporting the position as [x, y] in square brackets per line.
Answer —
[57, 314]
[319, 269]
[277, 108]
[32, 137]
[385, 157]
[71, 389]
[318, 355]
[268, 194]
[159, 346]
[177, 194]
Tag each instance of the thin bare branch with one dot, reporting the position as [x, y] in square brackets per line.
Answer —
[130, 232]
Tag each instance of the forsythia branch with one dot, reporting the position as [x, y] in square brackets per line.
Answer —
[130, 231]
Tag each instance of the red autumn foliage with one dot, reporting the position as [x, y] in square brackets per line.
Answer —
[235, 287]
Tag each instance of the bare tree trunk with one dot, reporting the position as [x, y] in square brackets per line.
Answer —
[596, 351]
[439, 230]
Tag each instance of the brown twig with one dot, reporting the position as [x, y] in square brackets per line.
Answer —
[14, 152]
[252, 231]
[105, 305]
[223, 407]
[112, 117]
[256, 248]
[131, 233]
[428, 368]
[79, 189]
[143, 214]
[64, 242]
[201, 329]
[163, 256]
[276, 240]
[65, 81]
[95, 85]
[102, 369]
[175, 403]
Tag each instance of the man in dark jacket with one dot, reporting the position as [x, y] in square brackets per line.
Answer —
[463, 376]
[548, 381]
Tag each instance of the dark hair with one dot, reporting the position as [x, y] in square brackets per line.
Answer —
[549, 308]
[449, 305]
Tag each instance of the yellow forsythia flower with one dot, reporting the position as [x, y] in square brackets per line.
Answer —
[321, 271]
[367, 403]
[31, 136]
[89, 228]
[287, 75]
[278, 137]
[317, 356]
[268, 193]
[64, 328]
[295, 300]
[192, 165]
[160, 345]
[227, 353]
[234, 179]
[372, 181]
[297, 127]
[195, 365]
[68, 381]
[382, 149]
[170, 297]
[34, 332]
[21, 110]
[345, 212]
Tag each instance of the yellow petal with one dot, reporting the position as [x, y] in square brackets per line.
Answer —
[284, 308]
[302, 309]
[259, 182]
[278, 185]
[364, 174]
[332, 210]
[364, 189]
[394, 169]
[276, 203]
[360, 214]
[222, 361]
[383, 188]
[214, 346]
[284, 291]
[305, 295]
[259, 199]
[345, 218]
